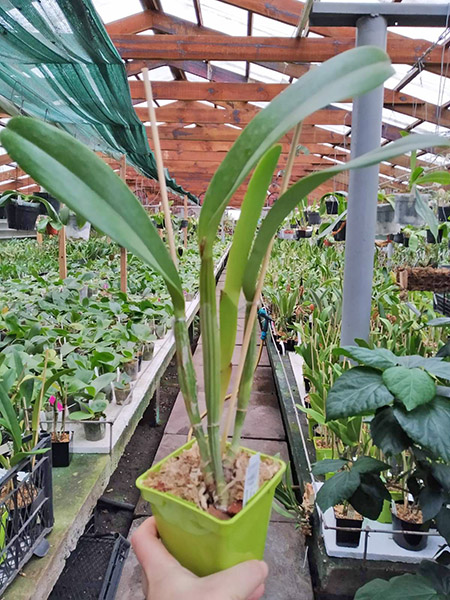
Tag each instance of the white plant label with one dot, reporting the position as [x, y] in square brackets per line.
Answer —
[251, 478]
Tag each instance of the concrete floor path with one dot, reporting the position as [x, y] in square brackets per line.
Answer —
[289, 577]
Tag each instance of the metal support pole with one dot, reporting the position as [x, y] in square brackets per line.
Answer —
[362, 198]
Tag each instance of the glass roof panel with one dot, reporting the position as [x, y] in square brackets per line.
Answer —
[224, 17]
[264, 27]
[235, 66]
[184, 9]
[111, 10]
[429, 87]
[267, 75]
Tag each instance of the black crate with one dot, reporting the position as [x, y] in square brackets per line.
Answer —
[26, 511]
[441, 303]
[93, 570]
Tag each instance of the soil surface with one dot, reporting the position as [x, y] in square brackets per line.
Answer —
[346, 512]
[182, 476]
[409, 514]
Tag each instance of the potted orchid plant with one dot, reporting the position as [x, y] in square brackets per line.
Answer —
[208, 518]
[60, 437]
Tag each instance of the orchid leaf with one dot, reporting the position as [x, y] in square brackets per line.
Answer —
[349, 74]
[84, 182]
[242, 241]
[289, 200]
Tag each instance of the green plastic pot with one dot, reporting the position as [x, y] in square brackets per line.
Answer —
[322, 453]
[202, 543]
[386, 515]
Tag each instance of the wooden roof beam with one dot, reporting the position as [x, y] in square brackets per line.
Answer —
[237, 92]
[211, 47]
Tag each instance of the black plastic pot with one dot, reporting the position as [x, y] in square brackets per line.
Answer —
[290, 345]
[313, 218]
[409, 541]
[332, 207]
[303, 233]
[2, 212]
[443, 213]
[184, 223]
[399, 238]
[53, 201]
[61, 454]
[349, 539]
[11, 214]
[26, 215]
[431, 239]
[340, 233]
[406, 241]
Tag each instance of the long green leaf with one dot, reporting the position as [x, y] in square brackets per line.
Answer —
[239, 251]
[347, 75]
[79, 178]
[287, 202]
[426, 213]
[9, 415]
[441, 177]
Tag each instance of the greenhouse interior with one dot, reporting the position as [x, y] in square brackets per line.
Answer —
[225, 294]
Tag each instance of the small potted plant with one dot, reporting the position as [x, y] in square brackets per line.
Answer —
[122, 388]
[354, 491]
[22, 210]
[130, 366]
[410, 409]
[333, 203]
[443, 201]
[60, 437]
[386, 224]
[77, 228]
[408, 522]
[92, 415]
[147, 350]
[313, 214]
[411, 207]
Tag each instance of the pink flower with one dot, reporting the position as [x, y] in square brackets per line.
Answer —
[52, 400]
[60, 407]
[105, 286]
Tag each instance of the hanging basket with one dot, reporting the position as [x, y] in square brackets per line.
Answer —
[423, 279]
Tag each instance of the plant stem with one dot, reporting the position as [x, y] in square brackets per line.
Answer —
[254, 304]
[245, 345]
[211, 364]
[188, 386]
[245, 389]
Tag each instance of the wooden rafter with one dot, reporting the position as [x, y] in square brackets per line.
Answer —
[307, 50]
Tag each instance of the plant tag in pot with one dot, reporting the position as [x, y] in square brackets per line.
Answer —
[251, 485]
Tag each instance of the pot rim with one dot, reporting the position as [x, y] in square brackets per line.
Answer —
[231, 522]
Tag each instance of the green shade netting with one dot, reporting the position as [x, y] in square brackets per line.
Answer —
[58, 63]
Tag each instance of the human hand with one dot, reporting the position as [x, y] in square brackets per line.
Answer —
[167, 580]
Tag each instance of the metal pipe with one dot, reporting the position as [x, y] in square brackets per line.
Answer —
[362, 198]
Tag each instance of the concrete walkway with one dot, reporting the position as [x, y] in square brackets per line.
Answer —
[289, 577]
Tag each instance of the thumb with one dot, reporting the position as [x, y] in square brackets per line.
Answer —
[240, 581]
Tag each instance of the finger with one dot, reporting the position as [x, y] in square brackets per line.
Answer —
[149, 549]
[240, 581]
[258, 593]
